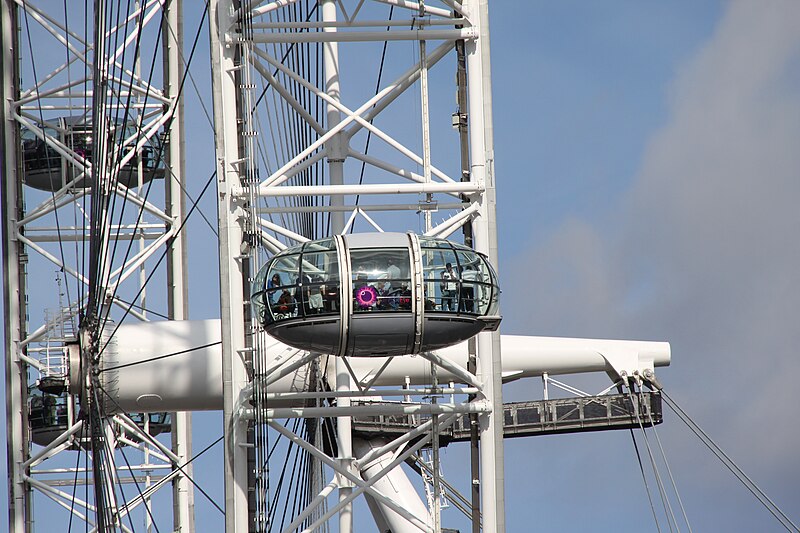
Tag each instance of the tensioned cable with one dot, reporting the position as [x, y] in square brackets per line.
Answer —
[141, 308]
[280, 110]
[99, 463]
[120, 131]
[743, 478]
[78, 257]
[152, 441]
[75, 480]
[666, 463]
[160, 151]
[49, 170]
[292, 450]
[138, 490]
[377, 90]
[160, 357]
[644, 478]
[662, 492]
[163, 255]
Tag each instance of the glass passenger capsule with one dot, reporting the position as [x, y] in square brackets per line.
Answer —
[45, 169]
[376, 294]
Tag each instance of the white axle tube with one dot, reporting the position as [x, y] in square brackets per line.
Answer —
[177, 365]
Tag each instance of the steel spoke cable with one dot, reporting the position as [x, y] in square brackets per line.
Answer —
[159, 153]
[160, 357]
[120, 129]
[301, 495]
[141, 308]
[138, 490]
[120, 126]
[102, 499]
[292, 449]
[644, 478]
[662, 492]
[163, 255]
[84, 240]
[75, 480]
[377, 90]
[295, 454]
[185, 191]
[743, 478]
[152, 440]
[79, 258]
[666, 463]
[42, 125]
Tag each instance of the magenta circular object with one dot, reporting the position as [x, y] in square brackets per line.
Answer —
[366, 296]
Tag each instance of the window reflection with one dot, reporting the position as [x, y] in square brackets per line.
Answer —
[304, 281]
[381, 279]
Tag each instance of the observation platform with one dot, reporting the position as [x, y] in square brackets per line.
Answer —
[376, 294]
[542, 417]
[46, 169]
[50, 415]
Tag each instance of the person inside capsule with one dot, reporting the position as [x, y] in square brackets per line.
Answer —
[394, 309]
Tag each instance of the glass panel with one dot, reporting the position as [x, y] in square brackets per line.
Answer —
[469, 265]
[258, 296]
[488, 291]
[319, 282]
[430, 242]
[319, 246]
[440, 269]
[282, 278]
[381, 279]
[37, 154]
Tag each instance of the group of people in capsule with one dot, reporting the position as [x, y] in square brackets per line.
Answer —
[375, 288]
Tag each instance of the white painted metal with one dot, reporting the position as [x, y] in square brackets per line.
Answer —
[215, 376]
[394, 485]
[192, 380]
[177, 258]
[49, 220]
[484, 231]
[231, 213]
[15, 369]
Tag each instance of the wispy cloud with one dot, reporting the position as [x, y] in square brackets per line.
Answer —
[704, 250]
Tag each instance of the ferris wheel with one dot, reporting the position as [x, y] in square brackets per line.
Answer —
[356, 245]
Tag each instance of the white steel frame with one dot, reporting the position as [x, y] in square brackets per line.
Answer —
[33, 233]
[237, 60]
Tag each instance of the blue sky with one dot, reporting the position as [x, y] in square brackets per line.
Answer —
[647, 173]
[661, 173]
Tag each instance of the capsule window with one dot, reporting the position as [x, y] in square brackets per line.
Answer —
[381, 279]
[440, 271]
[318, 285]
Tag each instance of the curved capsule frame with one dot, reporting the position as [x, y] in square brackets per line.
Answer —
[436, 291]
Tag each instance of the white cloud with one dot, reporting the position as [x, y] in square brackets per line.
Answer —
[706, 248]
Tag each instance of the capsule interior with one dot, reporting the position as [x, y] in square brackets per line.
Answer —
[389, 308]
[43, 165]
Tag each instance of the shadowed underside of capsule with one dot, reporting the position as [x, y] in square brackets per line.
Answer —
[376, 294]
[46, 169]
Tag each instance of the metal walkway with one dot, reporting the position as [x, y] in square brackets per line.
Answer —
[543, 417]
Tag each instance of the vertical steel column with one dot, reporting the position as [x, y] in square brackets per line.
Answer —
[336, 154]
[177, 296]
[19, 508]
[485, 240]
[463, 137]
[224, 55]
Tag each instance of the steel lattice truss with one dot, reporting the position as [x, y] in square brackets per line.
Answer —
[386, 159]
[331, 117]
[52, 145]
